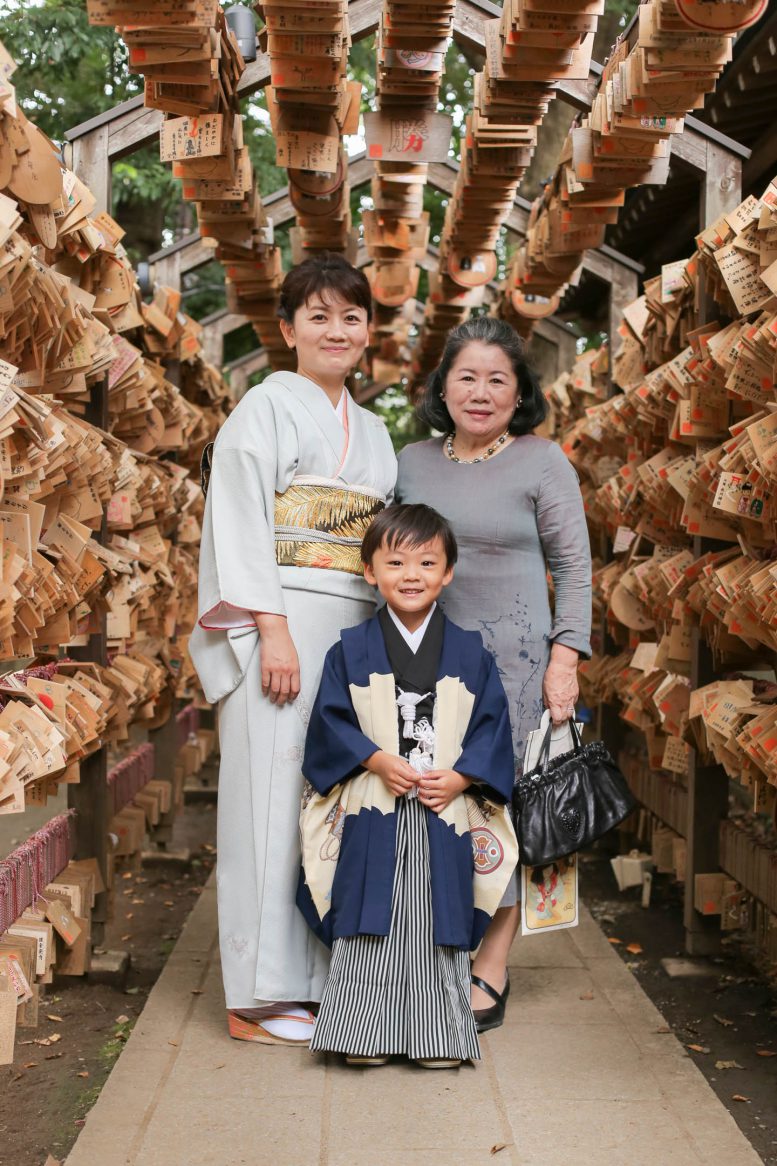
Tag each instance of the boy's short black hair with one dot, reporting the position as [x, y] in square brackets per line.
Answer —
[409, 525]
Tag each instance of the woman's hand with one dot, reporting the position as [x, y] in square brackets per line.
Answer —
[439, 787]
[395, 773]
[279, 660]
[559, 686]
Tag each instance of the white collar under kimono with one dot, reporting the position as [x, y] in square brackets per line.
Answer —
[412, 639]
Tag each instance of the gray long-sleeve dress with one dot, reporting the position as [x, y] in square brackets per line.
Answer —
[515, 516]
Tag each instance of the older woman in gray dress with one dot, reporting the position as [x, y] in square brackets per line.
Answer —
[514, 502]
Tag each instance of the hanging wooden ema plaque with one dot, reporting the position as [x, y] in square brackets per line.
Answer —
[471, 268]
[393, 282]
[726, 16]
[407, 135]
[534, 307]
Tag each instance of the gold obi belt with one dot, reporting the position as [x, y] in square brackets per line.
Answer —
[321, 523]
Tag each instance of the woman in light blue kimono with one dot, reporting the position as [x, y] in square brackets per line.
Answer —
[298, 472]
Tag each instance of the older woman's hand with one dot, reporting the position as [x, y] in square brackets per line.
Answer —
[559, 686]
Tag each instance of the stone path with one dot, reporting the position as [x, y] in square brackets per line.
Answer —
[581, 1073]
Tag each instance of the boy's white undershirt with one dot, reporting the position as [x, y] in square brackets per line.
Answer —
[412, 639]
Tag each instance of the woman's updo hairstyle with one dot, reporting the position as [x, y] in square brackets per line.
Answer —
[485, 330]
[326, 272]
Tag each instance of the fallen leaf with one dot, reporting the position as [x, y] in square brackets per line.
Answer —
[54, 1056]
[169, 903]
[664, 1029]
[137, 902]
[221, 1066]
[697, 1048]
[129, 915]
[587, 996]
[196, 991]
[30, 1065]
[739, 1097]
[55, 1036]
[728, 1065]
[174, 1043]
[497, 1149]
[127, 874]
[83, 1074]
[124, 938]
[635, 948]
[722, 1020]
[765, 1053]
[122, 1019]
[612, 939]
[42, 1041]
[56, 1019]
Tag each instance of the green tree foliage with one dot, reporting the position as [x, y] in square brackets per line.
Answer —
[399, 416]
[68, 71]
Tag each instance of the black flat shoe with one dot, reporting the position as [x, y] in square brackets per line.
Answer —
[493, 1017]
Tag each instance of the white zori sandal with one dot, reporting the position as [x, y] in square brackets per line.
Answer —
[275, 1024]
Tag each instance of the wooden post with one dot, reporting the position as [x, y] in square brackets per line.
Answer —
[167, 270]
[721, 188]
[214, 329]
[90, 797]
[543, 353]
[165, 742]
[91, 161]
[721, 191]
[624, 288]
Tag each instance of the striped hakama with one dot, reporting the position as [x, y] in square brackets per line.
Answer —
[400, 993]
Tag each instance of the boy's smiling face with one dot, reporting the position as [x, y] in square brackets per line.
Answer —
[410, 579]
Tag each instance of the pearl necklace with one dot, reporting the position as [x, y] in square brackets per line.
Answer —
[472, 460]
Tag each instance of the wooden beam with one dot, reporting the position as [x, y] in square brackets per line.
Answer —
[599, 261]
[250, 362]
[132, 126]
[468, 33]
[468, 20]
[468, 23]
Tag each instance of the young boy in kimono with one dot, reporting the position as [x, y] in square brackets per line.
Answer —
[407, 844]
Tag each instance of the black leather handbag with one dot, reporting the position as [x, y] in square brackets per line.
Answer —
[567, 802]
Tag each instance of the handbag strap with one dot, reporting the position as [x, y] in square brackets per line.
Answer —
[543, 761]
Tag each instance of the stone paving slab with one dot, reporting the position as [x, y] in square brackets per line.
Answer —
[580, 1072]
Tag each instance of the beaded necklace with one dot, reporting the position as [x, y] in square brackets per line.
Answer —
[481, 457]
